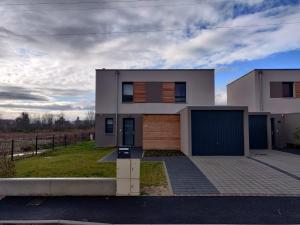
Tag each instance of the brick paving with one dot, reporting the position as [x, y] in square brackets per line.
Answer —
[243, 176]
[287, 162]
[185, 178]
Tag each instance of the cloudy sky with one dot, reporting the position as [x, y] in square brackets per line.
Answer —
[49, 50]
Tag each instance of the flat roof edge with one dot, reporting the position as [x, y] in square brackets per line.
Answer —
[154, 69]
[249, 73]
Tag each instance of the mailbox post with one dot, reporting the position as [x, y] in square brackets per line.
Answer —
[128, 173]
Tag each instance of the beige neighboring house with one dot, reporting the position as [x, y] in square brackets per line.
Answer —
[167, 109]
[276, 91]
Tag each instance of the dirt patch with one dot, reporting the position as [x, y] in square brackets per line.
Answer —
[156, 191]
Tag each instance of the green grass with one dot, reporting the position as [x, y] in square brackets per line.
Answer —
[80, 160]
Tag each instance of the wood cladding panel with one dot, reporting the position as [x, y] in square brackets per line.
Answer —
[139, 92]
[297, 89]
[168, 92]
[161, 132]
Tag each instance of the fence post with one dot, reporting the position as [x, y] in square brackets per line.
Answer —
[65, 137]
[36, 145]
[12, 149]
[53, 143]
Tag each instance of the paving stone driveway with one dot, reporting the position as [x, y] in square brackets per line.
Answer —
[287, 162]
[185, 178]
[244, 176]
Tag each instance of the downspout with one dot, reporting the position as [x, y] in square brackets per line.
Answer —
[261, 106]
[117, 73]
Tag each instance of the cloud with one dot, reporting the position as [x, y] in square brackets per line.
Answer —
[221, 97]
[46, 63]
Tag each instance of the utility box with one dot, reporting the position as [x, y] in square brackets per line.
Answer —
[128, 177]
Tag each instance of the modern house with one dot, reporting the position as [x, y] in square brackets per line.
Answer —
[167, 110]
[274, 91]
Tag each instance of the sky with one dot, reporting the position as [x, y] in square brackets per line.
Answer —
[49, 50]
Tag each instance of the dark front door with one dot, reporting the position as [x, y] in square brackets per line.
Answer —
[258, 132]
[128, 131]
[217, 132]
[273, 131]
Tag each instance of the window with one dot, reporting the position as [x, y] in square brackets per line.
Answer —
[109, 125]
[282, 89]
[127, 92]
[288, 89]
[180, 92]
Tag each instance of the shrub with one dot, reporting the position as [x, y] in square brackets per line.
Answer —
[297, 133]
[7, 167]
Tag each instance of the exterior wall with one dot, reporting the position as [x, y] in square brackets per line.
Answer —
[253, 90]
[242, 92]
[292, 122]
[199, 90]
[186, 138]
[185, 131]
[107, 140]
[279, 105]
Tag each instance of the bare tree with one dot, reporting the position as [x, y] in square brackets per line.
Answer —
[90, 117]
[48, 120]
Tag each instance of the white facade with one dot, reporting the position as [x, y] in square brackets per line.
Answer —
[253, 90]
[199, 90]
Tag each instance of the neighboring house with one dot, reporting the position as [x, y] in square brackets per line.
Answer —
[276, 91]
[159, 110]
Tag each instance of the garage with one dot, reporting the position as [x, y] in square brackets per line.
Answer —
[217, 132]
[161, 132]
[258, 131]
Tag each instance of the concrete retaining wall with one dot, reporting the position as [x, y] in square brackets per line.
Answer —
[58, 186]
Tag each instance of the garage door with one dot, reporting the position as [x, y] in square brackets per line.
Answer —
[219, 132]
[161, 132]
[258, 132]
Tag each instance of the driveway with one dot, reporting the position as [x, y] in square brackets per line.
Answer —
[245, 176]
[290, 163]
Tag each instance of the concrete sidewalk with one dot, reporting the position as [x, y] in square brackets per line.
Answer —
[154, 210]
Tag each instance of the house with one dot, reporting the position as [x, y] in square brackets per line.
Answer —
[274, 91]
[167, 110]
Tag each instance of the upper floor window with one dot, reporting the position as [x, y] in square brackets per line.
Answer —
[127, 92]
[109, 125]
[288, 89]
[282, 89]
[180, 92]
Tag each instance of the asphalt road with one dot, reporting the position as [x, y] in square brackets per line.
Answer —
[154, 210]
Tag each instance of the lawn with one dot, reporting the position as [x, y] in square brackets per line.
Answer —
[80, 160]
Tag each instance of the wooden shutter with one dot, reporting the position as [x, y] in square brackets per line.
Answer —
[297, 89]
[168, 92]
[139, 94]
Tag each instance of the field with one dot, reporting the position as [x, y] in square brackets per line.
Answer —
[26, 142]
[80, 160]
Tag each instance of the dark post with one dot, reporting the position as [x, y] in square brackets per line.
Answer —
[36, 145]
[53, 143]
[65, 137]
[12, 149]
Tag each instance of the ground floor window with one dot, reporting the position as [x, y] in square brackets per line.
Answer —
[109, 125]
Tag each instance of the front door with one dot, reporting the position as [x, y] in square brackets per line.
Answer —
[128, 131]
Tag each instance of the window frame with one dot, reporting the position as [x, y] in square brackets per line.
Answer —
[177, 97]
[106, 128]
[127, 98]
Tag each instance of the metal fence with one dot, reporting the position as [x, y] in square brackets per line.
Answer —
[25, 147]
